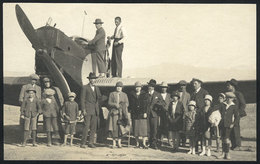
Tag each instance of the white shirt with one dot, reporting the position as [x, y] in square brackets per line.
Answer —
[151, 92]
[31, 99]
[93, 88]
[164, 95]
[198, 90]
[119, 33]
[174, 104]
[48, 100]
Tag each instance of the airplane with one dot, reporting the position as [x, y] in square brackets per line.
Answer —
[68, 61]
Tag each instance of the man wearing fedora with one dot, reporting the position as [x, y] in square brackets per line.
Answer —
[98, 57]
[166, 99]
[184, 99]
[89, 99]
[241, 104]
[119, 39]
[24, 95]
[152, 102]
[198, 96]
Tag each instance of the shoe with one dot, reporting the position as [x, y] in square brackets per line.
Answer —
[146, 147]
[221, 156]
[189, 152]
[34, 145]
[83, 146]
[49, 145]
[63, 144]
[91, 146]
[71, 144]
[236, 148]
[202, 153]
[227, 156]
[24, 144]
[208, 153]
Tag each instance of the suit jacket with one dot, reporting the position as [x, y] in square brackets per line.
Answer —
[31, 109]
[184, 98]
[228, 114]
[99, 40]
[71, 110]
[24, 95]
[199, 97]
[175, 119]
[240, 102]
[90, 99]
[166, 102]
[136, 105]
[50, 109]
[58, 96]
[152, 104]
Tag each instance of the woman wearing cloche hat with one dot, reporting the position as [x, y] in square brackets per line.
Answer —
[138, 114]
[118, 115]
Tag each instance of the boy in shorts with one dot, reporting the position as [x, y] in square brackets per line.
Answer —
[70, 113]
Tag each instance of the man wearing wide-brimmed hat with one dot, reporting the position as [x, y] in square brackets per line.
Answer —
[241, 103]
[98, 55]
[89, 100]
[152, 101]
[166, 99]
[198, 95]
[23, 94]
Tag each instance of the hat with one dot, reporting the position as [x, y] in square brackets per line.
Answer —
[232, 82]
[119, 84]
[98, 21]
[208, 97]
[182, 82]
[92, 76]
[138, 84]
[49, 91]
[152, 83]
[72, 94]
[174, 93]
[164, 85]
[34, 77]
[230, 95]
[192, 103]
[222, 95]
[31, 89]
[46, 79]
[195, 79]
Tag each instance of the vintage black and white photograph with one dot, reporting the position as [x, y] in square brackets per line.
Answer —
[122, 81]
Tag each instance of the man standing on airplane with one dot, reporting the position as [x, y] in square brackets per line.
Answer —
[119, 39]
[98, 55]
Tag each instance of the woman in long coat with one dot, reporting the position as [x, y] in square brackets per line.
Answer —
[118, 114]
[138, 114]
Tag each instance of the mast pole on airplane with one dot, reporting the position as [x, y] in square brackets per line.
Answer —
[82, 32]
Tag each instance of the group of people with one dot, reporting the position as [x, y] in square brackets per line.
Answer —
[153, 115]
[100, 48]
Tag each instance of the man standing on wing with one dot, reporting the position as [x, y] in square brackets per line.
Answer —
[119, 38]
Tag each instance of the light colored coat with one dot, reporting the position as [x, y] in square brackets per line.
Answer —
[24, 95]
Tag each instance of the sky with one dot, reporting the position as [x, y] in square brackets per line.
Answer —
[215, 36]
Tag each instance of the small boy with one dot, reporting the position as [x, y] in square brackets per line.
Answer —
[205, 126]
[230, 116]
[50, 112]
[190, 118]
[70, 114]
[30, 109]
[221, 99]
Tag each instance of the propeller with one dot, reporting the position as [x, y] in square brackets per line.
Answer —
[27, 27]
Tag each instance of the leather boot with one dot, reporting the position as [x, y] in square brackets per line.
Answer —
[48, 138]
[227, 156]
[25, 138]
[223, 152]
[34, 138]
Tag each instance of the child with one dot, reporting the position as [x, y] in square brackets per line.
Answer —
[190, 118]
[175, 115]
[70, 113]
[30, 109]
[221, 99]
[230, 116]
[50, 112]
[205, 126]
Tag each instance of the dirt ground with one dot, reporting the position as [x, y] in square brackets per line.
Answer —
[13, 151]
